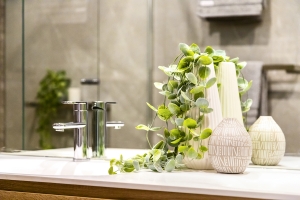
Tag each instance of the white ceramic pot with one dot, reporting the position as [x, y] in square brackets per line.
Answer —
[230, 147]
[229, 92]
[268, 141]
[211, 120]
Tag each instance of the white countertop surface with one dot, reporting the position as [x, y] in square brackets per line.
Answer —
[255, 182]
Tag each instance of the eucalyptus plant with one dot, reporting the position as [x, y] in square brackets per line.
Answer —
[184, 95]
[52, 90]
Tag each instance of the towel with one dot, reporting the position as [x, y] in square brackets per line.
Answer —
[258, 92]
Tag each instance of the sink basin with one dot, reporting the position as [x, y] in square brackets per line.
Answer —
[59, 162]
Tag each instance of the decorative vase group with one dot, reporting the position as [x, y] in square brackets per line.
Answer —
[231, 147]
[268, 141]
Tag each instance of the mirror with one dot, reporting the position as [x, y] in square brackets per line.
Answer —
[113, 42]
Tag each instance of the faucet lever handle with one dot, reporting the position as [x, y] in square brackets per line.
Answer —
[109, 102]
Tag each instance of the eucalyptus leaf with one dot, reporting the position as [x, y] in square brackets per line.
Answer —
[206, 110]
[211, 82]
[184, 107]
[186, 50]
[172, 96]
[202, 103]
[195, 48]
[128, 169]
[247, 88]
[192, 78]
[241, 65]
[175, 133]
[157, 153]
[155, 128]
[179, 121]
[183, 149]
[173, 84]
[203, 148]
[164, 113]
[166, 133]
[205, 133]
[220, 53]
[197, 89]
[170, 166]
[204, 72]
[160, 135]
[174, 109]
[198, 95]
[112, 162]
[209, 50]
[158, 85]
[111, 171]
[200, 155]
[179, 158]
[165, 70]
[184, 95]
[234, 60]
[142, 127]
[165, 93]
[190, 123]
[152, 107]
[242, 83]
[158, 167]
[192, 153]
[217, 59]
[136, 165]
[176, 141]
[184, 63]
[205, 60]
[194, 133]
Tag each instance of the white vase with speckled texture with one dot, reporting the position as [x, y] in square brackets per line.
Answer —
[230, 147]
[228, 91]
[268, 141]
[211, 120]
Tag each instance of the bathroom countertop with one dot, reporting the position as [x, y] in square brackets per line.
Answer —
[18, 173]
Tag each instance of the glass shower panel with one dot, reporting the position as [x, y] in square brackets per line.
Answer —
[123, 68]
[60, 49]
[13, 75]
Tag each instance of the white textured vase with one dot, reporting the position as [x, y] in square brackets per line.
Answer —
[268, 141]
[211, 120]
[229, 92]
[230, 147]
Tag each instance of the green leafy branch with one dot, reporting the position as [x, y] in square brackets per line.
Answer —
[185, 106]
[52, 90]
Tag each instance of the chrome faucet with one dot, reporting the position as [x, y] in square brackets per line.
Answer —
[88, 142]
[81, 130]
[99, 127]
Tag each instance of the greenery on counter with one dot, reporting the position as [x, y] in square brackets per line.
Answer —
[52, 90]
[184, 94]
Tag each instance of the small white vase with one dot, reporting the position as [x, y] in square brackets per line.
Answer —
[211, 120]
[268, 141]
[230, 147]
[228, 91]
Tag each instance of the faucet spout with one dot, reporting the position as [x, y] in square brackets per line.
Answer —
[115, 124]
